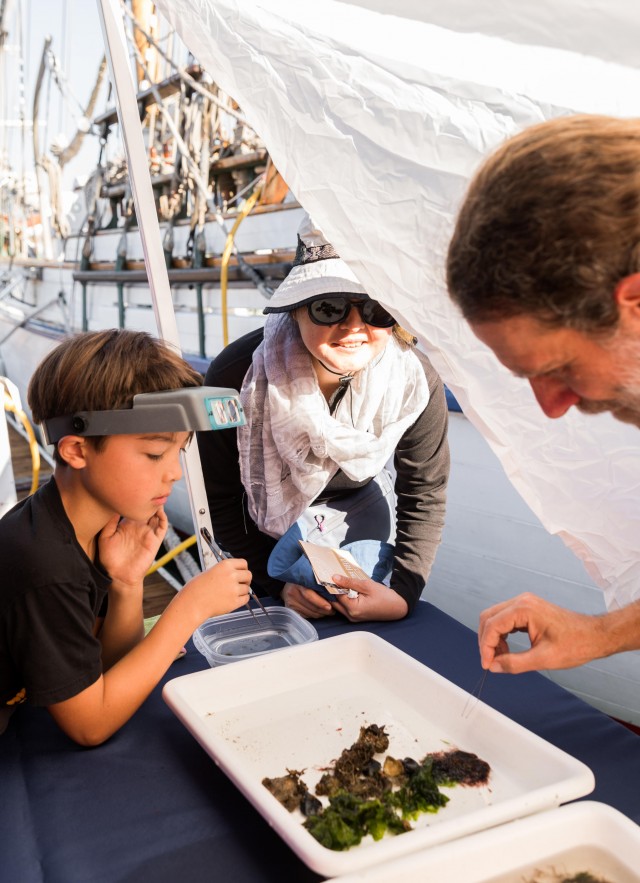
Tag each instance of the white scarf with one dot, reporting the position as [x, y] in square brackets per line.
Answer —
[291, 446]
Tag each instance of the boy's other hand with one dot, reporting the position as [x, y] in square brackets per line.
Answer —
[128, 548]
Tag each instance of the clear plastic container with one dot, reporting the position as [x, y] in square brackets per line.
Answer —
[239, 635]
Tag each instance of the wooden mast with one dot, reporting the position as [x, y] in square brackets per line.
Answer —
[144, 13]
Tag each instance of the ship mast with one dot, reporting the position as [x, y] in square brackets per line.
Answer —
[45, 208]
[143, 12]
[13, 192]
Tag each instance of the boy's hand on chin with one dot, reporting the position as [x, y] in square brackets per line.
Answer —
[128, 548]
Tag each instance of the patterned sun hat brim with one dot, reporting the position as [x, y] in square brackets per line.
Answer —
[312, 279]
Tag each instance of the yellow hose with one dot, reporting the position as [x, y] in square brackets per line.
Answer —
[226, 254]
[9, 405]
[171, 555]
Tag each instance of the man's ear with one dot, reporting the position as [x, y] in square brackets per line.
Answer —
[627, 295]
[72, 449]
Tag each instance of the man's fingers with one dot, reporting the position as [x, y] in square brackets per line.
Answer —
[516, 663]
[488, 652]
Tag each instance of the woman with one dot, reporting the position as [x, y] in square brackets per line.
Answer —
[333, 390]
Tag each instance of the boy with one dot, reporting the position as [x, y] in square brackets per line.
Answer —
[73, 556]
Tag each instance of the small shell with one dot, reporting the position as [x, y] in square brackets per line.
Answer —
[410, 765]
[371, 768]
[310, 805]
[392, 767]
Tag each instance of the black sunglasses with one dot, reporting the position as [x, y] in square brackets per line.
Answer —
[333, 309]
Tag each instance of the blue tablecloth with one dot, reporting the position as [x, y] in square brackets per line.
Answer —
[150, 805]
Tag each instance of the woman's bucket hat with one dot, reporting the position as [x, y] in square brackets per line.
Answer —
[317, 270]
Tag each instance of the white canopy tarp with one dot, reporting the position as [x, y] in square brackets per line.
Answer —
[377, 121]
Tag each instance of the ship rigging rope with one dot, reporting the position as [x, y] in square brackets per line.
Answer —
[226, 254]
[195, 172]
[195, 175]
[54, 172]
[67, 153]
[184, 76]
[61, 81]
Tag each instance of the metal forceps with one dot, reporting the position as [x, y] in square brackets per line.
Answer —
[219, 555]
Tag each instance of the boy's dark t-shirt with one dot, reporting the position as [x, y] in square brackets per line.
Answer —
[50, 595]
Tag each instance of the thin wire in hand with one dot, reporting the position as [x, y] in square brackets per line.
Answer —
[474, 696]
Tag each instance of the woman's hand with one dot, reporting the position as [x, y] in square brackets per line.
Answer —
[306, 602]
[128, 548]
[375, 601]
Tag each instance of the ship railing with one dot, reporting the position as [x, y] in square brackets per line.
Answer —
[9, 284]
[272, 267]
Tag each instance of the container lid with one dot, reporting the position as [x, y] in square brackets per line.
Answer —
[241, 635]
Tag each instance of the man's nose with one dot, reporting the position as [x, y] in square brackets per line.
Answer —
[554, 397]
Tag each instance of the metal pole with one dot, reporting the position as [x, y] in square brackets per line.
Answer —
[139, 177]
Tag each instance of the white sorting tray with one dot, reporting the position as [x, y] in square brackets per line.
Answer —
[547, 847]
[300, 707]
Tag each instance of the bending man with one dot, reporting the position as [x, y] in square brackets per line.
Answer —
[545, 265]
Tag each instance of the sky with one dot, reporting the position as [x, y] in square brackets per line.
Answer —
[77, 43]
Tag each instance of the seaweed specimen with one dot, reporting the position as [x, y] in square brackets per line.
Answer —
[555, 877]
[459, 768]
[579, 877]
[290, 790]
[369, 797]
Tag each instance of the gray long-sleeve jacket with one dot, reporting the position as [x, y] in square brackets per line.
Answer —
[422, 469]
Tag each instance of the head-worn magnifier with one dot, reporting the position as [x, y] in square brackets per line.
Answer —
[196, 408]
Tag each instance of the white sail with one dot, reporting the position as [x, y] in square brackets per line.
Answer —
[376, 122]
